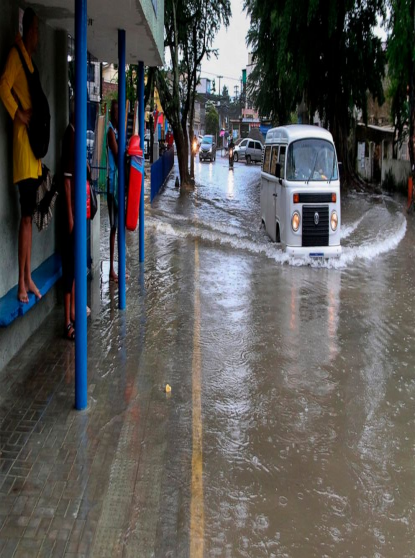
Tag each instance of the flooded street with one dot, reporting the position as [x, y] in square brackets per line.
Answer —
[302, 388]
[289, 428]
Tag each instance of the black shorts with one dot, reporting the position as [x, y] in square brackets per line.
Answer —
[28, 191]
[112, 211]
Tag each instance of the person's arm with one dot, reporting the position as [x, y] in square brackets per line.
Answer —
[112, 144]
[6, 85]
[68, 201]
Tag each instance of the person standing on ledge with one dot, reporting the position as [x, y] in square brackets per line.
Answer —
[27, 170]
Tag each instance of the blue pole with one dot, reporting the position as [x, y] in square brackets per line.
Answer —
[121, 155]
[80, 204]
[141, 132]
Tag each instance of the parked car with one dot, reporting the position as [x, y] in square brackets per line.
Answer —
[207, 148]
[249, 150]
[90, 142]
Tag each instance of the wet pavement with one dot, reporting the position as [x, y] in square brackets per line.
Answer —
[289, 431]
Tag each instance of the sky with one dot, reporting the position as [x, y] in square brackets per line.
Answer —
[233, 52]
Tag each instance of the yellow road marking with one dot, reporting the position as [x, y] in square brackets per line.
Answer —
[196, 507]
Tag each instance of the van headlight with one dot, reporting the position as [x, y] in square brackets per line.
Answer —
[334, 220]
[295, 221]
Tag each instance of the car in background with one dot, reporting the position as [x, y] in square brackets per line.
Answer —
[207, 148]
[90, 142]
[248, 150]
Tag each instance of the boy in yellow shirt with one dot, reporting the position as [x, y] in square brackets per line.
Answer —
[27, 170]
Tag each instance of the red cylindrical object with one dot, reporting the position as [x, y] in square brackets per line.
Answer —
[134, 185]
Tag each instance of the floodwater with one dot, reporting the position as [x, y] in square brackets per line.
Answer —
[299, 396]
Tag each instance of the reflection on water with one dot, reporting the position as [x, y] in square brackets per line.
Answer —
[306, 371]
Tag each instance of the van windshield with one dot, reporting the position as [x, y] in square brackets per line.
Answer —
[311, 160]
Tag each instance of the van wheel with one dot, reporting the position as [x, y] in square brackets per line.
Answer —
[248, 159]
[277, 234]
[235, 157]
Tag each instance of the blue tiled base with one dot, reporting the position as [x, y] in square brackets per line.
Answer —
[45, 276]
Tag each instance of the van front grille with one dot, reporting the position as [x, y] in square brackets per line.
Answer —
[315, 234]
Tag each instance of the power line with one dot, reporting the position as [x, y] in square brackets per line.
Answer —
[216, 75]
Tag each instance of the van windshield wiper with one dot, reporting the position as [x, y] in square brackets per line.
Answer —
[315, 163]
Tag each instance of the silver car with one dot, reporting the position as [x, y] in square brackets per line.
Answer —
[249, 150]
[207, 148]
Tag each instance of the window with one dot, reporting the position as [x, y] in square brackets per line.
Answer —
[311, 159]
[267, 157]
[258, 145]
[251, 145]
[281, 160]
[274, 159]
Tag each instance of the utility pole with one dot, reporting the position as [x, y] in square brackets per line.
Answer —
[219, 78]
[236, 90]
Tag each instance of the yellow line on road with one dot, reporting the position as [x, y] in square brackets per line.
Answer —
[197, 526]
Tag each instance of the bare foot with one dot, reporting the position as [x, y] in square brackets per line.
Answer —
[31, 288]
[22, 295]
[113, 276]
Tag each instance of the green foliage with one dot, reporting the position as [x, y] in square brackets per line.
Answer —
[212, 121]
[401, 58]
[322, 51]
[225, 93]
[190, 28]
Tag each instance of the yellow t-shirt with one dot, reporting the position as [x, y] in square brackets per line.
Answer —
[13, 80]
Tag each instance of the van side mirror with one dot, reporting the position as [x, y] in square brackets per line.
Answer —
[341, 170]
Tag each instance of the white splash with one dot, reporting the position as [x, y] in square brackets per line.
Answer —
[384, 242]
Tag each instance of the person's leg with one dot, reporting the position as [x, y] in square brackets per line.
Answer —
[69, 330]
[72, 299]
[25, 224]
[27, 190]
[113, 275]
[30, 285]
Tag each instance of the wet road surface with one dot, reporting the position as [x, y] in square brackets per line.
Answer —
[289, 431]
[307, 373]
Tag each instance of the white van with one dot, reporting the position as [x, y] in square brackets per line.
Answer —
[300, 191]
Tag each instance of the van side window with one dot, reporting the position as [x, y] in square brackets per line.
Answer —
[281, 160]
[267, 158]
[274, 159]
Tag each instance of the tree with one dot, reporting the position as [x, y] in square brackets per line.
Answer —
[190, 27]
[225, 93]
[322, 52]
[212, 121]
[401, 58]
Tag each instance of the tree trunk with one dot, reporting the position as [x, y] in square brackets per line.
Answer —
[411, 142]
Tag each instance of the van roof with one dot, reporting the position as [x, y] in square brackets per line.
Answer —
[288, 134]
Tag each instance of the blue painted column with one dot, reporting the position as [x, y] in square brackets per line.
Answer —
[141, 132]
[80, 204]
[121, 177]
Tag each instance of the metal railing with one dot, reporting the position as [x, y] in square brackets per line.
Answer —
[160, 171]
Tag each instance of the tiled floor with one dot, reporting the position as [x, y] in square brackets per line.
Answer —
[91, 483]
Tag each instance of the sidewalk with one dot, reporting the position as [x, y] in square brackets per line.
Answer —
[107, 481]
